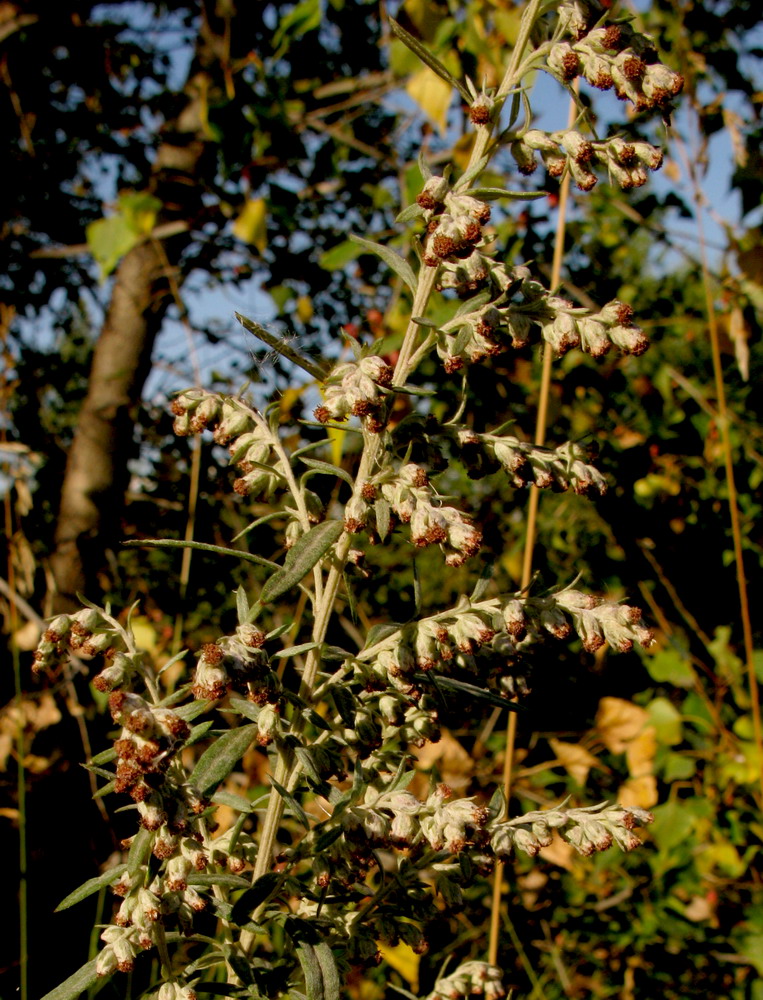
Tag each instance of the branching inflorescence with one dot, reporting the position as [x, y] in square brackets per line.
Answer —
[364, 868]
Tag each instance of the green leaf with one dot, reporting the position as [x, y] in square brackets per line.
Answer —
[383, 513]
[399, 265]
[377, 633]
[242, 606]
[92, 885]
[670, 665]
[104, 756]
[413, 211]
[139, 851]
[329, 972]
[329, 470]
[311, 968]
[308, 551]
[177, 543]
[246, 708]
[198, 733]
[491, 193]
[461, 687]
[296, 809]
[224, 879]
[344, 702]
[340, 255]
[429, 59]
[308, 764]
[110, 240]
[222, 797]
[217, 762]
[303, 647]
[260, 891]
[75, 985]
[306, 16]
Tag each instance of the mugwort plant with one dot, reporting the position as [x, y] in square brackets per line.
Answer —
[291, 897]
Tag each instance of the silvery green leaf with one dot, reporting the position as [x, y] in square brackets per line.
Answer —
[399, 265]
[312, 971]
[491, 193]
[473, 304]
[294, 807]
[429, 59]
[92, 885]
[414, 211]
[327, 962]
[306, 553]
[77, 984]
[236, 802]
[140, 848]
[383, 513]
[303, 647]
[242, 606]
[328, 470]
[217, 762]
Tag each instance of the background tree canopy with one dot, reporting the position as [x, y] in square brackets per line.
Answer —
[165, 163]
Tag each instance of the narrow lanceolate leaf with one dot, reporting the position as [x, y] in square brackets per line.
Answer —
[296, 809]
[224, 879]
[260, 891]
[312, 970]
[491, 193]
[217, 762]
[308, 551]
[399, 265]
[242, 606]
[304, 647]
[238, 803]
[329, 971]
[383, 513]
[140, 849]
[411, 212]
[75, 985]
[429, 59]
[92, 885]
[329, 470]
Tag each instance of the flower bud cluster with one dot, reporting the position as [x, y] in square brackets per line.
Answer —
[560, 468]
[526, 305]
[627, 162]
[386, 819]
[454, 229]
[147, 745]
[88, 633]
[411, 500]
[356, 388]
[144, 912]
[244, 432]
[470, 979]
[613, 56]
[591, 829]
[236, 662]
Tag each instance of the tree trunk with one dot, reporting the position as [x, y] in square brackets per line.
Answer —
[96, 476]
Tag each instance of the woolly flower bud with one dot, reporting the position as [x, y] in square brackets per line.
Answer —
[376, 369]
[577, 146]
[535, 139]
[524, 156]
[433, 193]
[563, 61]
[211, 678]
[481, 109]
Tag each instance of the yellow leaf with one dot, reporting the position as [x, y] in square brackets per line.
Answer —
[640, 752]
[336, 437]
[251, 225]
[618, 722]
[576, 760]
[145, 634]
[641, 792]
[432, 94]
[404, 960]
[425, 15]
[559, 852]
[304, 308]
